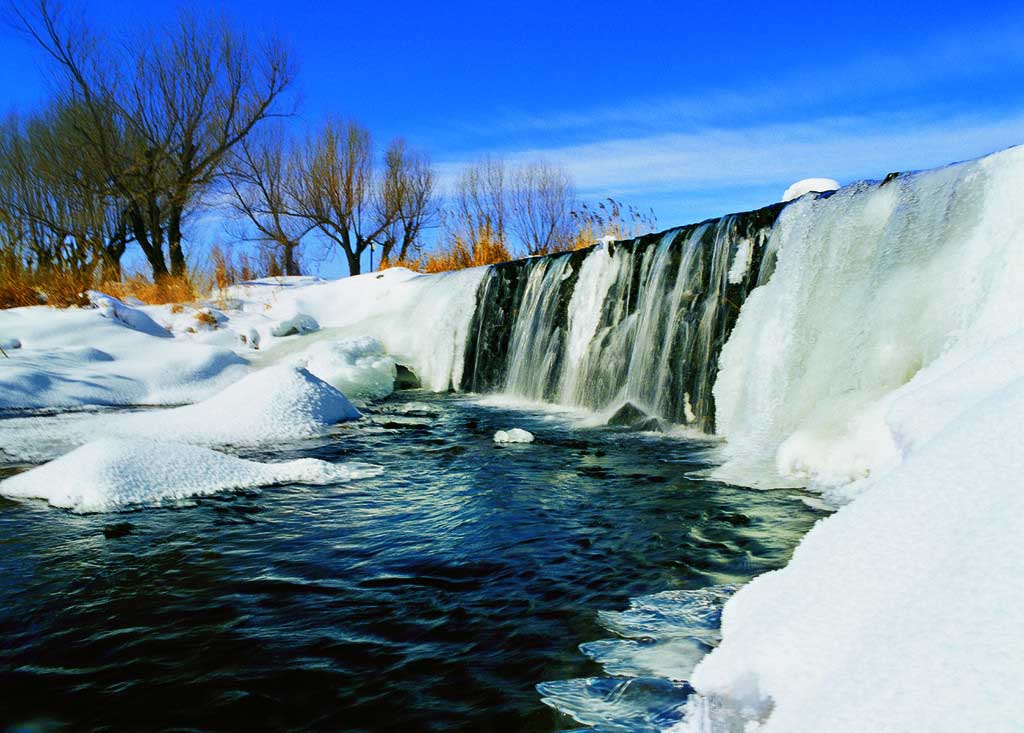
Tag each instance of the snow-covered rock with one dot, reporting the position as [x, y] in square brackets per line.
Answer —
[358, 367]
[515, 435]
[300, 323]
[126, 315]
[810, 185]
[112, 474]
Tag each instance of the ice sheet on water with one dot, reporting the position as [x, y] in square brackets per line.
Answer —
[618, 704]
[662, 637]
[671, 614]
[672, 659]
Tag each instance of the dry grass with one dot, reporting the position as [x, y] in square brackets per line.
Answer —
[460, 254]
[206, 318]
[164, 290]
[60, 289]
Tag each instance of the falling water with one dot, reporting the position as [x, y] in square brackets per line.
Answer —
[638, 321]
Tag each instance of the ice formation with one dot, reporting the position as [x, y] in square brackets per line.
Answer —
[513, 435]
[114, 474]
[884, 364]
[809, 185]
[299, 324]
[358, 367]
[875, 289]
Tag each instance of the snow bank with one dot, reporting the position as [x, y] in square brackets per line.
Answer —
[515, 435]
[809, 185]
[117, 474]
[358, 367]
[421, 320]
[901, 612]
[273, 404]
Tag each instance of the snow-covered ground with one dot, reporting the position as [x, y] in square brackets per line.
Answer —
[267, 362]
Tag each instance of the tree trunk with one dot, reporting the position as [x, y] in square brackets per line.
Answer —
[178, 266]
[112, 254]
[291, 267]
[354, 267]
[154, 251]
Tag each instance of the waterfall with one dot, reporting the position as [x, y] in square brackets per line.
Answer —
[638, 321]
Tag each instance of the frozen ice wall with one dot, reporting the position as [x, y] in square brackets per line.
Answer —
[874, 288]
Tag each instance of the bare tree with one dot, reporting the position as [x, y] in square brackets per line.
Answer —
[408, 189]
[480, 203]
[57, 206]
[262, 175]
[181, 101]
[341, 193]
[541, 200]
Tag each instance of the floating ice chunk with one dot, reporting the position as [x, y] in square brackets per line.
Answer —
[272, 404]
[133, 318]
[358, 366]
[672, 659]
[618, 705]
[810, 185]
[114, 474]
[300, 323]
[515, 435]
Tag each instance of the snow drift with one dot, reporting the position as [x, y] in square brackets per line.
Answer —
[273, 404]
[114, 474]
[113, 355]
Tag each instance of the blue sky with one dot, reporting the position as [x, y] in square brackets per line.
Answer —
[692, 109]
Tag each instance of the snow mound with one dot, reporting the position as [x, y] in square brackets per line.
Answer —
[274, 404]
[298, 324]
[515, 435]
[910, 596]
[358, 367]
[810, 185]
[112, 474]
[133, 318]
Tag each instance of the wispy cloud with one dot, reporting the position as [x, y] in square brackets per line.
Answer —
[715, 164]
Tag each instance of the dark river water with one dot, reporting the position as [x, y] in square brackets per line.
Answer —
[434, 597]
